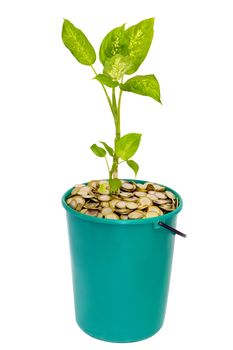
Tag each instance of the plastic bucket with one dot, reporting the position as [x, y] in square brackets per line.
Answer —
[121, 272]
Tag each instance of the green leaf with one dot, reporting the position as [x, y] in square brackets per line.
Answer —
[108, 148]
[114, 184]
[103, 188]
[117, 66]
[115, 42]
[99, 151]
[127, 145]
[106, 80]
[78, 44]
[146, 85]
[140, 37]
[133, 165]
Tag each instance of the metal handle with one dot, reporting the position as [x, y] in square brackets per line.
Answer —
[172, 229]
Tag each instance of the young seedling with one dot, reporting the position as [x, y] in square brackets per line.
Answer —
[121, 53]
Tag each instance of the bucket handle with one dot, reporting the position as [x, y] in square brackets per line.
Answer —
[172, 229]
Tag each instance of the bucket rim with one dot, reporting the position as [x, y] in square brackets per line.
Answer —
[122, 222]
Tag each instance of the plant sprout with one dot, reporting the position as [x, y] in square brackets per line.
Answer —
[121, 53]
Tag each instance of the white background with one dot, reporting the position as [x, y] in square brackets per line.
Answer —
[51, 112]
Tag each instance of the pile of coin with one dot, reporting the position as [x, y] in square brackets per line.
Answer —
[132, 201]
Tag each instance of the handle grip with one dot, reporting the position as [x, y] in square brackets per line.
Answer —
[172, 229]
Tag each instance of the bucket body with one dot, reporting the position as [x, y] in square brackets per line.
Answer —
[121, 272]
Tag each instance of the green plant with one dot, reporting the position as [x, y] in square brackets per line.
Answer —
[121, 53]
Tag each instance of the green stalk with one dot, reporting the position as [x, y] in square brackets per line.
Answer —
[107, 166]
[105, 91]
[116, 108]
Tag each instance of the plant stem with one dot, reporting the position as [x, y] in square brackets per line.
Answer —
[114, 103]
[107, 165]
[116, 108]
[105, 91]
[119, 103]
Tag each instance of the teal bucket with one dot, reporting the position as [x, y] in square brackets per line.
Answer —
[121, 273]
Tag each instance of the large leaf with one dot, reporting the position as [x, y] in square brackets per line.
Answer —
[78, 44]
[115, 42]
[108, 148]
[127, 145]
[133, 165]
[117, 66]
[106, 80]
[99, 151]
[140, 37]
[146, 85]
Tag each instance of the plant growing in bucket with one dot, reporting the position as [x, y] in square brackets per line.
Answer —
[121, 232]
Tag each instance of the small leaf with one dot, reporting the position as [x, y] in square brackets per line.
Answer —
[127, 145]
[108, 148]
[146, 85]
[103, 189]
[133, 165]
[117, 66]
[115, 42]
[78, 44]
[106, 80]
[99, 151]
[140, 37]
[114, 184]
